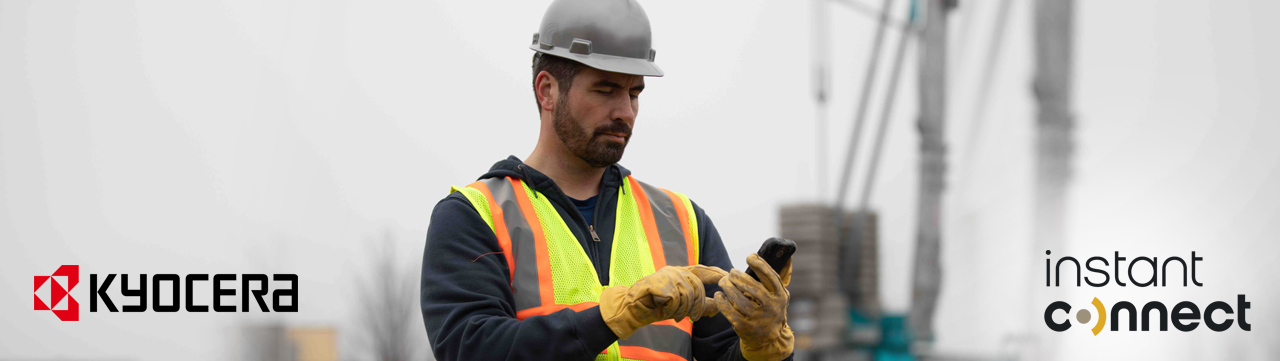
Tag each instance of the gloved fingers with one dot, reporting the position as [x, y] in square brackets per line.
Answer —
[702, 276]
[767, 275]
[672, 307]
[727, 310]
[695, 284]
[697, 293]
[785, 275]
[698, 306]
[681, 285]
[658, 284]
[757, 309]
[709, 309]
[643, 292]
[750, 288]
[654, 302]
[707, 274]
[655, 293]
[734, 294]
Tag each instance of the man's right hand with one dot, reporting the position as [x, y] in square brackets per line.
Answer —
[671, 293]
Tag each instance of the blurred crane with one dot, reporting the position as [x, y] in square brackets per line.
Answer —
[840, 247]
[927, 273]
[1054, 122]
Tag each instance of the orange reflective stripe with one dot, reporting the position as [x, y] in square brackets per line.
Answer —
[549, 309]
[546, 290]
[684, 325]
[641, 353]
[650, 229]
[500, 230]
[684, 225]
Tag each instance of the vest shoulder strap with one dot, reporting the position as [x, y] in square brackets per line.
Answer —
[673, 222]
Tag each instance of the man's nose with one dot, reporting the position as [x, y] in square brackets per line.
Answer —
[625, 110]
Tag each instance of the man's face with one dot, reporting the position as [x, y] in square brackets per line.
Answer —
[594, 120]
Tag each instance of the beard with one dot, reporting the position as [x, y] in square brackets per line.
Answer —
[588, 145]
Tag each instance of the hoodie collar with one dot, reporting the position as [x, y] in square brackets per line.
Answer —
[514, 167]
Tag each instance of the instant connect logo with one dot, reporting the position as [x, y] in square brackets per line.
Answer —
[53, 292]
[1185, 316]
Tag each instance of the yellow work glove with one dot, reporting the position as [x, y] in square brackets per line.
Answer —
[758, 310]
[674, 292]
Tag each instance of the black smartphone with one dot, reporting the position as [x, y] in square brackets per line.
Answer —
[775, 251]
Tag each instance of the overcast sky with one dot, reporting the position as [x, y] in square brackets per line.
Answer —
[261, 137]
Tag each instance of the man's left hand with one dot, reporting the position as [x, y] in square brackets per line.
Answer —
[758, 310]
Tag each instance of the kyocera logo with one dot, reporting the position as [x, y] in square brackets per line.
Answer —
[56, 292]
[53, 293]
[1185, 316]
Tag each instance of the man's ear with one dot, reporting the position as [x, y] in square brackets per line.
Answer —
[547, 89]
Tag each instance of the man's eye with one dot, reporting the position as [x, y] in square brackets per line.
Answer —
[605, 92]
[635, 96]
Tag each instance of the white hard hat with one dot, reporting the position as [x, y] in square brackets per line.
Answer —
[610, 35]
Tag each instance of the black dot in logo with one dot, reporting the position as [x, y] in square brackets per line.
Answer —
[1083, 316]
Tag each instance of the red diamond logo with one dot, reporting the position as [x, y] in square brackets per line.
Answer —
[54, 289]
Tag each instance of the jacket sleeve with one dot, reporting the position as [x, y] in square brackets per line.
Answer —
[468, 306]
[714, 338]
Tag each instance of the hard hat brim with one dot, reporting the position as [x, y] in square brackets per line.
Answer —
[605, 62]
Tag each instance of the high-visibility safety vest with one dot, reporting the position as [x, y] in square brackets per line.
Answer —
[551, 272]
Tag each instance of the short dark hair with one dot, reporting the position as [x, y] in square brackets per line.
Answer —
[560, 68]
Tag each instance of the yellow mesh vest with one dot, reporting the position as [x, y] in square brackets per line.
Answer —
[572, 274]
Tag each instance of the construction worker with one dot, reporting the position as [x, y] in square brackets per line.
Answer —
[566, 256]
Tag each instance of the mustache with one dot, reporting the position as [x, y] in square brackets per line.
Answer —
[617, 128]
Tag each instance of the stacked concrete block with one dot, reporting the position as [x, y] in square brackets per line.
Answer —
[832, 321]
[860, 276]
[815, 265]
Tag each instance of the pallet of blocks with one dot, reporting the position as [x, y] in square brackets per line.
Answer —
[814, 267]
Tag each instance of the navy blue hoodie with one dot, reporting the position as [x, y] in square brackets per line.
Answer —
[468, 306]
